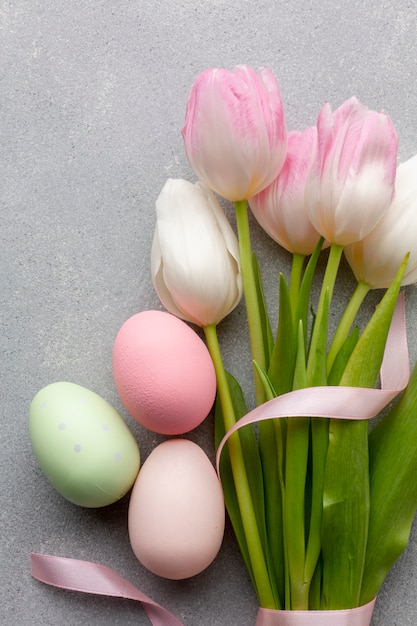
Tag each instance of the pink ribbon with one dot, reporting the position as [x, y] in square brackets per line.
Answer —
[90, 577]
[348, 403]
[331, 402]
[360, 616]
[87, 577]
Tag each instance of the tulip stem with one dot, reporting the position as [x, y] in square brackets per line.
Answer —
[317, 375]
[295, 279]
[345, 324]
[296, 462]
[251, 295]
[237, 461]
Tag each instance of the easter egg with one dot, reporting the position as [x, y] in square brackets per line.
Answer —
[163, 373]
[176, 511]
[82, 445]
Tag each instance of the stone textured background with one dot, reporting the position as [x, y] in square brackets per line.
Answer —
[92, 102]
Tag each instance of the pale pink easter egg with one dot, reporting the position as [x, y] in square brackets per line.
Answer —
[176, 511]
[163, 373]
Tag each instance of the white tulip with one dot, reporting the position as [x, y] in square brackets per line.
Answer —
[195, 255]
[376, 258]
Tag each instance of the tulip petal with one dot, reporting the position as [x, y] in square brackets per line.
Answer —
[195, 259]
[281, 208]
[234, 131]
[352, 181]
[376, 258]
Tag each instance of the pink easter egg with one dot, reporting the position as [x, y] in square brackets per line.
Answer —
[163, 373]
[176, 511]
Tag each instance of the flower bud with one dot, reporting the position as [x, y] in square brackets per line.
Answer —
[281, 208]
[195, 255]
[352, 179]
[376, 258]
[234, 132]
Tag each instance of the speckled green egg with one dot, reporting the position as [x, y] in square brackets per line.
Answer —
[82, 445]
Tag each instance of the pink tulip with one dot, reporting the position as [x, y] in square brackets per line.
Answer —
[376, 258]
[281, 208]
[234, 131]
[352, 181]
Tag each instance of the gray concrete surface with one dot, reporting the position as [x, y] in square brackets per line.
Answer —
[92, 103]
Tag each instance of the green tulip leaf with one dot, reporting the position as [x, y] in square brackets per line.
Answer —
[393, 488]
[281, 368]
[254, 472]
[263, 314]
[296, 463]
[303, 304]
[346, 500]
[342, 357]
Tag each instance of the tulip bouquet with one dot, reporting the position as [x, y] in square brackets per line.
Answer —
[321, 504]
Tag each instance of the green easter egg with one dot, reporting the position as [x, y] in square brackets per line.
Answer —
[82, 445]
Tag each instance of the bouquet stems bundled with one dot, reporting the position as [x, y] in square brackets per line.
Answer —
[313, 473]
[321, 507]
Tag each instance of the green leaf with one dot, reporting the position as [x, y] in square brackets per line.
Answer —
[342, 357]
[317, 375]
[281, 368]
[346, 485]
[278, 380]
[342, 331]
[271, 450]
[345, 514]
[266, 382]
[362, 369]
[229, 491]
[317, 356]
[255, 477]
[315, 587]
[297, 448]
[271, 454]
[263, 314]
[393, 488]
[303, 304]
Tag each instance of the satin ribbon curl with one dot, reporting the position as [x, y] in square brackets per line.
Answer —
[87, 577]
